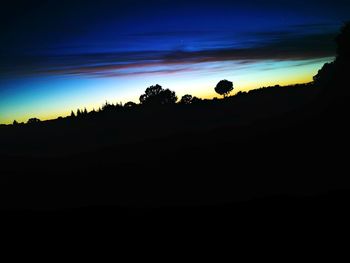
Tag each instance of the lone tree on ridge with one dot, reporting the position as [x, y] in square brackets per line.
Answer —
[224, 87]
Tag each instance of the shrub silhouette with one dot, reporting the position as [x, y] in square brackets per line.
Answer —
[130, 104]
[195, 100]
[224, 87]
[186, 99]
[33, 121]
[156, 95]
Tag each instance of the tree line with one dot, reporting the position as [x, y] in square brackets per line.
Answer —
[154, 96]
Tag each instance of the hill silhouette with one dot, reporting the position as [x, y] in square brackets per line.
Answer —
[285, 142]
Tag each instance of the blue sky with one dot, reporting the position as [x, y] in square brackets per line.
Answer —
[57, 56]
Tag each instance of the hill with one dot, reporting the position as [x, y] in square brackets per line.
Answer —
[278, 142]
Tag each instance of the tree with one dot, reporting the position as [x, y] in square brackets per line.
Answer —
[156, 95]
[130, 104]
[186, 99]
[108, 107]
[224, 87]
[33, 121]
[342, 62]
[72, 114]
[343, 43]
[15, 123]
[325, 75]
[195, 100]
[334, 76]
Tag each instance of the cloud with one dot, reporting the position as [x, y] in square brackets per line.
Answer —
[281, 47]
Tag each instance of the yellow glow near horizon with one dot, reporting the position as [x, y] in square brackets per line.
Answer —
[93, 93]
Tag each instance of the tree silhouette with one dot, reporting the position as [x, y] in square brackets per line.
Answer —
[333, 77]
[343, 43]
[195, 100]
[156, 95]
[342, 61]
[186, 99]
[33, 121]
[224, 87]
[325, 75]
[72, 114]
[130, 104]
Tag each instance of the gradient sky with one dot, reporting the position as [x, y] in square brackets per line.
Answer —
[57, 56]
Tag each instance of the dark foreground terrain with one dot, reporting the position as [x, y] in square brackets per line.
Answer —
[276, 155]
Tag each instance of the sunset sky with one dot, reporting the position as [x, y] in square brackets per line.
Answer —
[58, 56]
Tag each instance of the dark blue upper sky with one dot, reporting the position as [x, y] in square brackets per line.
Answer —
[71, 44]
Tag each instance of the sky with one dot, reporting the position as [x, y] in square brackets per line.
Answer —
[60, 55]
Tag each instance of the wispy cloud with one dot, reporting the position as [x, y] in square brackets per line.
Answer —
[281, 46]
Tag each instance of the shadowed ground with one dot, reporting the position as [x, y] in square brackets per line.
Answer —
[279, 149]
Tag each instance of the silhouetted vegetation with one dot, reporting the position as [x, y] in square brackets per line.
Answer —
[33, 121]
[186, 99]
[343, 44]
[130, 104]
[263, 142]
[325, 75]
[156, 95]
[224, 87]
[333, 77]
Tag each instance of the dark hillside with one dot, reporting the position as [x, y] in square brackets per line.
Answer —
[272, 151]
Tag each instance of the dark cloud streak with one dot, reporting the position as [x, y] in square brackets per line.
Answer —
[282, 47]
